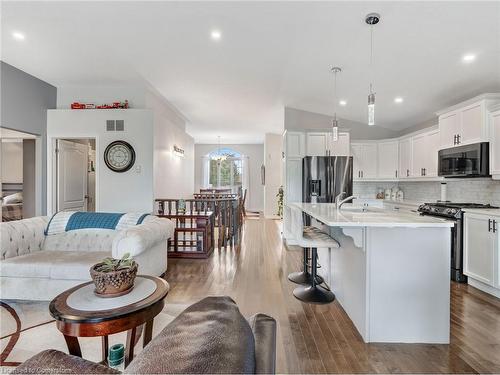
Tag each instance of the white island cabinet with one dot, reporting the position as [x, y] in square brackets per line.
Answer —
[391, 273]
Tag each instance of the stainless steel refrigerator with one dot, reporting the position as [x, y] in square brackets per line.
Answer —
[325, 177]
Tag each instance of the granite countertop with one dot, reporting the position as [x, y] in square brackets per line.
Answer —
[353, 216]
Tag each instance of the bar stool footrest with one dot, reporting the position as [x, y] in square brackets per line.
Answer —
[304, 278]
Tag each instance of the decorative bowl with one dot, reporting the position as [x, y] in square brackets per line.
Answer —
[114, 283]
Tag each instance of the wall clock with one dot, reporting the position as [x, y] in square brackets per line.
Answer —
[119, 156]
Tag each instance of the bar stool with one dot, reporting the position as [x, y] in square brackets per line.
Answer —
[304, 276]
[312, 238]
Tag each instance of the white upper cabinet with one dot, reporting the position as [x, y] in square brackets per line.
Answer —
[495, 144]
[425, 154]
[431, 167]
[388, 159]
[340, 147]
[322, 144]
[317, 143]
[466, 122]
[473, 124]
[364, 160]
[449, 127]
[419, 152]
[405, 158]
[357, 160]
[295, 145]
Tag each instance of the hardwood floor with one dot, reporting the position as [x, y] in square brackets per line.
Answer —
[322, 339]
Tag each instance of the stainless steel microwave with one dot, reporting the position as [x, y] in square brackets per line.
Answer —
[464, 161]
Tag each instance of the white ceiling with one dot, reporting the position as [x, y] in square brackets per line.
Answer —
[271, 55]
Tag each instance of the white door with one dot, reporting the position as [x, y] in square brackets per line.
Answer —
[71, 176]
[479, 248]
[388, 159]
[472, 124]
[405, 158]
[341, 146]
[369, 160]
[449, 127]
[317, 144]
[495, 144]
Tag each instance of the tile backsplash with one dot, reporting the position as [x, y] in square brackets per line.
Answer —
[479, 190]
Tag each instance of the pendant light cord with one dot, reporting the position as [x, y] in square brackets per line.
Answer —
[371, 59]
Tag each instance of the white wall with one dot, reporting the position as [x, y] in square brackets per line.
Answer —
[12, 161]
[173, 175]
[273, 147]
[255, 153]
[115, 192]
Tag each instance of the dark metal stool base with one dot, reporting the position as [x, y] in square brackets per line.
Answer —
[304, 278]
[313, 294]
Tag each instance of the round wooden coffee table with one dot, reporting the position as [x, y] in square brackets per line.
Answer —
[80, 313]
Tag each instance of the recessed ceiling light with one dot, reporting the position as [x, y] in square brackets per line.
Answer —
[398, 100]
[469, 58]
[215, 34]
[17, 35]
[343, 103]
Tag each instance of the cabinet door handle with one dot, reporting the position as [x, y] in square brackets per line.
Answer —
[407, 173]
[458, 139]
[425, 171]
[454, 139]
[396, 173]
[494, 226]
[489, 225]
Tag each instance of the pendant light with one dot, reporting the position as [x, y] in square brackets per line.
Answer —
[371, 19]
[335, 123]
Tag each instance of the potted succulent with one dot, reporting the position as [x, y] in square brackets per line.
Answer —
[114, 277]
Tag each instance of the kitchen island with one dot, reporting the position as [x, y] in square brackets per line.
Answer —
[391, 273]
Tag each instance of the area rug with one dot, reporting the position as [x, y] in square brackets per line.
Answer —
[26, 328]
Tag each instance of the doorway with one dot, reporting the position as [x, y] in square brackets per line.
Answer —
[20, 174]
[75, 174]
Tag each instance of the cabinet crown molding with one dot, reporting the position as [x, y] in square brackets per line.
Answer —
[486, 96]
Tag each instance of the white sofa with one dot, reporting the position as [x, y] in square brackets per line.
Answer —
[34, 266]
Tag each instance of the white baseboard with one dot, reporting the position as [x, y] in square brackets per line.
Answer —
[484, 287]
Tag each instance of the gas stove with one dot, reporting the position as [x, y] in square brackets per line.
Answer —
[450, 210]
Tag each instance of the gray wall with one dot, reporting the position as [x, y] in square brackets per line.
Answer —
[296, 119]
[24, 103]
[424, 125]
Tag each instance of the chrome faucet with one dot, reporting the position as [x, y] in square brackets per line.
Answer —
[339, 201]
